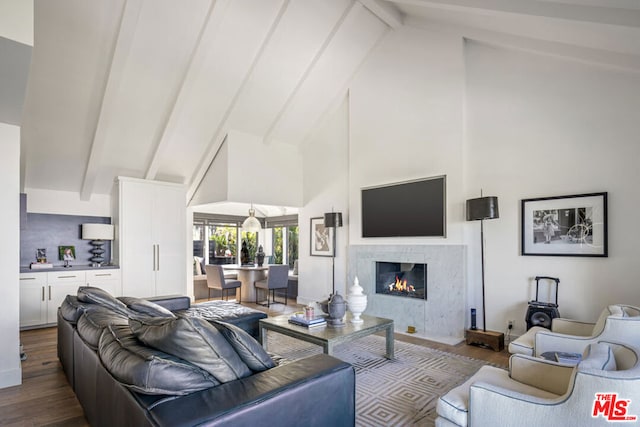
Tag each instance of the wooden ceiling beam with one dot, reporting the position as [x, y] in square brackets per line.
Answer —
[595, 12]
[268, 137]
[119, 58]
[385, 11]
[212, 23]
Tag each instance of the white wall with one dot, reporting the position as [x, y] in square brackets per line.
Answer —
[16, 20]
[325, 166]
[540, 126]
[10, 369]
[66, 203]
[406, 113]
[263, 173]
[515, 124]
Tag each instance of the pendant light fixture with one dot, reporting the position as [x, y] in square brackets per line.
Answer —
[251, 224]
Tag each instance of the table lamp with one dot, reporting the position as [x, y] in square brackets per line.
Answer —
[97, 233]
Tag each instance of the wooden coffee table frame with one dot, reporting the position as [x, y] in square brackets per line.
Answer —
[328, 336]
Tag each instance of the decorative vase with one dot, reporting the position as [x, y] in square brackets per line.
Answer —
[357, 301]
[337, 310]
[260, 256]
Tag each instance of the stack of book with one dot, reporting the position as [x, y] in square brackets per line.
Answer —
[568, 358]
[309, 322]
[40, 265]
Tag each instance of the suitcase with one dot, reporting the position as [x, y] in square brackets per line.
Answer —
[542, 313]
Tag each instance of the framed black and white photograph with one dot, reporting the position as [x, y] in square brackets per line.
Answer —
[321, 238]
[574, 225]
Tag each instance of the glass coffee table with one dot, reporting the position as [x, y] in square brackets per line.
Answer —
[328, 336]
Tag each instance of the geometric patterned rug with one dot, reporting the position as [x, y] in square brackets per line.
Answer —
[399, 392]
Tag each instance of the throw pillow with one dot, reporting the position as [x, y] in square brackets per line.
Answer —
[93, 295]
[598, 356]
[249, 350]
[147, 370]
[142, 306]
[197, 269]
[194, 340]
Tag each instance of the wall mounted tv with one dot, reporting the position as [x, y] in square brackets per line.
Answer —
[405, 209]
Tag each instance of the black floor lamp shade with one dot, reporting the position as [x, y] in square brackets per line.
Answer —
[333, 219]
[482, 208]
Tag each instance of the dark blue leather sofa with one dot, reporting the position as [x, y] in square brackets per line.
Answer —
[315, 391]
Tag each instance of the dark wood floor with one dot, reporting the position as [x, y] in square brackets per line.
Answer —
[46, 399]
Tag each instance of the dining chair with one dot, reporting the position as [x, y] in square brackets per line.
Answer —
[217, 280]
[277, 278]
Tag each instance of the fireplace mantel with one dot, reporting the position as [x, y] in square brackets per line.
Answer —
[441, 316]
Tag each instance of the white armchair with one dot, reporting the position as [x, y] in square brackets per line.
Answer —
[617, 323]
[537, 392]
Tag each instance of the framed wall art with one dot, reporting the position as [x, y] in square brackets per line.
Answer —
[321, 238]
[574, 225]
[67, 253]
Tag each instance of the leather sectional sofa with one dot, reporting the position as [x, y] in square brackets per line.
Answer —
[120, 379]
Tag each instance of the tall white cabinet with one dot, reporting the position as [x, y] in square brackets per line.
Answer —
[150, 245]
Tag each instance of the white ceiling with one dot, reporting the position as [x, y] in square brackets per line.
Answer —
[149, 88]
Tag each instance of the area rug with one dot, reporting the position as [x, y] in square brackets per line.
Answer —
[399, 392]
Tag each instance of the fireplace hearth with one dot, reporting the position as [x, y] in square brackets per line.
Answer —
[401, 279]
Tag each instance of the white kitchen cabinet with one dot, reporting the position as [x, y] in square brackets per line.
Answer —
[59, 285]
[108, 280]
[33, 303]
[151, 239]
[42, 293]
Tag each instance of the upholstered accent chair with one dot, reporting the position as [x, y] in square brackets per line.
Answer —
[536, 392]
[617, 323]
[277, 278]
[217, 280]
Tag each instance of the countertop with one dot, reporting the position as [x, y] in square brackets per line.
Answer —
[27, 269]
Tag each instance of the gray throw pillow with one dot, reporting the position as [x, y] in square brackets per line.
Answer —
[93, 295]
[142, 306]
[598, 356]
[249, 350]
[147, 370]
[194, 340]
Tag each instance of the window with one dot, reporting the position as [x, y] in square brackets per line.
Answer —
[292, 245]
[198, 240]
[218, 239]
[223, 241]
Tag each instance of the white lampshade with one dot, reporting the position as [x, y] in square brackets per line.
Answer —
[97, 231]
[251, 224]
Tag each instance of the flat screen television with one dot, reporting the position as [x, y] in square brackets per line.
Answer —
[405, 209]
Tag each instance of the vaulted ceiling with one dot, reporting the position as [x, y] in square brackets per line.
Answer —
[150, 88]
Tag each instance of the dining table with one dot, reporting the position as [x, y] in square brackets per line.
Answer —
[248, 275]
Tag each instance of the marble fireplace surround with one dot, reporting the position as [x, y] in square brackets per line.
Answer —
[441, 317]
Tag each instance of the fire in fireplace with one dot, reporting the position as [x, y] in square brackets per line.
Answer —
[401, 279]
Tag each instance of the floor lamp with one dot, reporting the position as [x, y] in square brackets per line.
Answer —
[480, 209]
[333, 220]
